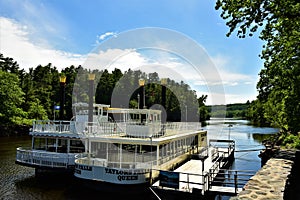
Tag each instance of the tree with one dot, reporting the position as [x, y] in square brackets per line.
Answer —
[8, 65]
[203, 111]
[70, 73]
[105, 88]
[279, 25]
[36, 111]
[11, 98]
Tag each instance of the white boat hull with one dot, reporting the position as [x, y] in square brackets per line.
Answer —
[112, 175]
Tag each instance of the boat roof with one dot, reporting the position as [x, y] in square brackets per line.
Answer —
[117, 110]
[56, 135]
[146, 140]
[82, 104]
[133, 110]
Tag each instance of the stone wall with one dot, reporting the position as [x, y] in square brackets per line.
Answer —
[271, 181]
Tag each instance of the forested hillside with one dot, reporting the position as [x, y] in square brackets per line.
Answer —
[237, 110]
[26, 96]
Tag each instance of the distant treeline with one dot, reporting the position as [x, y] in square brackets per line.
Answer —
[27, 96]
[236, 110]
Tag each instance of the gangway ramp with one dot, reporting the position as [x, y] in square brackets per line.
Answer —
[203, 172]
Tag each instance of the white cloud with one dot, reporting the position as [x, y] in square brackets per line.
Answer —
[201, 79]
[234, 98]
[110, 59]
[15, 42]
[104, 36]
[228, 74]
[42, 21]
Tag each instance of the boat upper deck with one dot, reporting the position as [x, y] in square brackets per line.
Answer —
[123, 124]
[115, 131]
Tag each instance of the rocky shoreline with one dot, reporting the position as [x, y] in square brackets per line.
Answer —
[276, 180]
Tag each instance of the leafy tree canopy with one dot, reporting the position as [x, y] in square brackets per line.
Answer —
[11, 98]
[32, 95]
[279, 25]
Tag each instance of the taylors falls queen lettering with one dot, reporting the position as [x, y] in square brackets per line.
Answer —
[122, 175]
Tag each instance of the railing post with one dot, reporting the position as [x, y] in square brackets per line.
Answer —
[60, 127]
[235, 182]
[188, 182]
[204, 183]
[209, 177]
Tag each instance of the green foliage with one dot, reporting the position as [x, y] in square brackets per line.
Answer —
[292, 141]
[255, 113]
[36, 110]
[11, 98]
[126, 87]
[203, 110]
[279, 25]
[31, 95]
[70, 73]
[237, 110]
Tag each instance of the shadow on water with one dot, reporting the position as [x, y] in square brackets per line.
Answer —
[57, 186]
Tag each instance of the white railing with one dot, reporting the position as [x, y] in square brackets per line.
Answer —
[44, 158]
[130, 129]
[53, 126]
[143, 130]
[100, 128]
[100, 162]
[182, 126]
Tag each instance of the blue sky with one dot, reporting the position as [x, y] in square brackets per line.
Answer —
[64, 32]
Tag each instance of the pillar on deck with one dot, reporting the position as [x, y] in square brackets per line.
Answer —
[91, 97]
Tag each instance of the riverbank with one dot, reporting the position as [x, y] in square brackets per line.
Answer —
[277, 179]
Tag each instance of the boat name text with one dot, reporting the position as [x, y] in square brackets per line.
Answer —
[123, 175]
[121, 172]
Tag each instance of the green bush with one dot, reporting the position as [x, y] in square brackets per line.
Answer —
[292, 141]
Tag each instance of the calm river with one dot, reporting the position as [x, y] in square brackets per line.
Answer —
[18, 182]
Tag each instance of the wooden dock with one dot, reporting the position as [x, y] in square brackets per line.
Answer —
[204, 173]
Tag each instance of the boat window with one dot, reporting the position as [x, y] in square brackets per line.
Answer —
[134, 117]
[76, 146]
[99, 149]
[146, 148]
[62, 145]
[51, 144]
[97, 111]
[129, 147]
[39, 143]
[104, 112]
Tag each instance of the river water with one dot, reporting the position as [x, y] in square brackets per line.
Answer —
[19, 182]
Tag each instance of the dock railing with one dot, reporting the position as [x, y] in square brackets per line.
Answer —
[181, 180]
[223, 146]
[230, 179]
[223, 181]
[218, 178]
